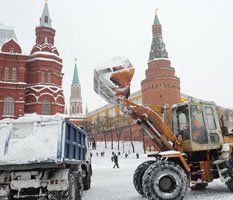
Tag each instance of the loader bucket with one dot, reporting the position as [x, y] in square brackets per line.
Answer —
[112, 79]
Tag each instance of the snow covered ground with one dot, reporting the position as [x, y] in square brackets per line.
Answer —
[117, 184]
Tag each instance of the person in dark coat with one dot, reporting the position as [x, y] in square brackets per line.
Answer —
[115, 160]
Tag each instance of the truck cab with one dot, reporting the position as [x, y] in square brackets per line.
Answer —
[197, 125]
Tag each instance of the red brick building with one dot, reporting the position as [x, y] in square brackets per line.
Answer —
[30, 83]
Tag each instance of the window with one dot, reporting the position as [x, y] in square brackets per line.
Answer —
[210, 118]
[46, 19]
[9, 106]
[13, 74]
[46, 107]
[6, 74]
[94, 120]
[112, 113]
[49, 77]
[102, 117]
[42, 78]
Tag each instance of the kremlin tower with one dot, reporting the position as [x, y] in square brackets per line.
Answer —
[161, 86]
[75, 97]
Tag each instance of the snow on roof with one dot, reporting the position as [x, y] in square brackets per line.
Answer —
[44, 59]
[45, 53]
[6, 33]
[8, 82]
[5, 27]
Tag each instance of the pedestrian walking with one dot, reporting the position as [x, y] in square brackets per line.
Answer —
[126, 155]
[137, 155]
[115, 160]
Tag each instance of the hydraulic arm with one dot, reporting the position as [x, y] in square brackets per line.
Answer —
[112, 82]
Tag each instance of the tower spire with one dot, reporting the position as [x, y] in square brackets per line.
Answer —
[75, 75]
[158, 49]
[156, 20]
[45, 20]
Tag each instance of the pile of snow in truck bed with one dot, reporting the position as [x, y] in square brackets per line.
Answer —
[29, 139]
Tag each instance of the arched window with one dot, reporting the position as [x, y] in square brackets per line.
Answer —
[6, 73]
[46, 19]
[49, 78]
[46, 107]
[42, 78]
[14, 75]
[9, 106]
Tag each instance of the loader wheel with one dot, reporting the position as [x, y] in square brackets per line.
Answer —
[138, 175]
[199, 186]
[230, 170]
[229, 184]
[165, 180]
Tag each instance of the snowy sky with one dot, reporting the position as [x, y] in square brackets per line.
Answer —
[198, 36]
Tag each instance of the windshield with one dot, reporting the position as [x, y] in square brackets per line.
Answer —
[199, 133]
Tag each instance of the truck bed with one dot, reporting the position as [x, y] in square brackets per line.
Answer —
[40, 142]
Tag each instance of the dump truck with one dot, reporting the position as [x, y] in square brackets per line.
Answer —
[191, 155]
[43, 157]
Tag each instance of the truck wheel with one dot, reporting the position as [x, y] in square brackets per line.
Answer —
[75, 188]
[87, 182]
[138, 174]
[165, 180]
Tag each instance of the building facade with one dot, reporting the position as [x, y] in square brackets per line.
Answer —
[30, 83]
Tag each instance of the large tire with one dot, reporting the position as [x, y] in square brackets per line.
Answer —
[138, 175]
[87, 182]
[164, 180]
[74, 192]
[229, 183]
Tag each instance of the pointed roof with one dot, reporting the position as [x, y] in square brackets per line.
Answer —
[158, 47]
[45, 20]
[156, 20]
[75, 75]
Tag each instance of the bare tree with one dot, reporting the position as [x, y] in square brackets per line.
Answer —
[129, 122]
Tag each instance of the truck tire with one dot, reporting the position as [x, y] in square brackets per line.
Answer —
[75, 188]
[165, 180]
[138, 175]
[87, 182]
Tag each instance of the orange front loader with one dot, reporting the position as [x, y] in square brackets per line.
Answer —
[191, 155]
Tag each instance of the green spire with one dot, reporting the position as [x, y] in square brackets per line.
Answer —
[156, 20]
[75, 75]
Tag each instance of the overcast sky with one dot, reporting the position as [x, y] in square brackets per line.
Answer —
[198, 35]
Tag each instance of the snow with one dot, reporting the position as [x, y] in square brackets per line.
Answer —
[15, 83]
[45, 52]
[117, 184]
[114, 62]
[44, 59]
[29, 139]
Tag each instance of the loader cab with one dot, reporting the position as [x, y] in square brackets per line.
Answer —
[198, 125]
